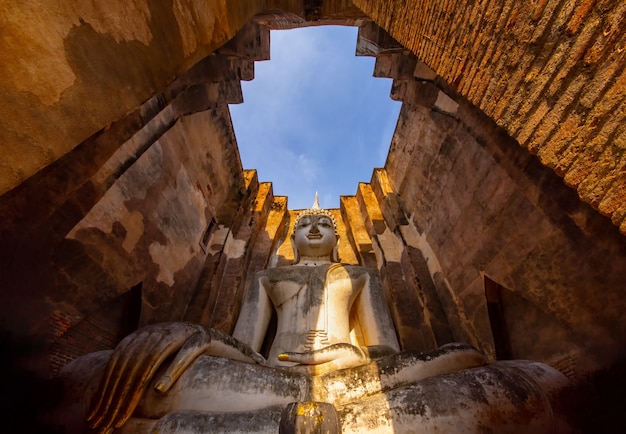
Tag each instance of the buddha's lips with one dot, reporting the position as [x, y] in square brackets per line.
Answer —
[314, 236]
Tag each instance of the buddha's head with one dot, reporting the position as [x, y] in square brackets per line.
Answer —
[314, 236]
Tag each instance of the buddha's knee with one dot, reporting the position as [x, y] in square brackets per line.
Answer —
[511, 397]
[193, 422]
[218, 385]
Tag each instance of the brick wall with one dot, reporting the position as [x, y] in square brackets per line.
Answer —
[73, 336]
[551, 73]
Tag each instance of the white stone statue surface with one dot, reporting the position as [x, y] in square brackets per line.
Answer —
[335, 344]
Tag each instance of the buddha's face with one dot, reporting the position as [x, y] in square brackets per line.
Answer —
[315, 236]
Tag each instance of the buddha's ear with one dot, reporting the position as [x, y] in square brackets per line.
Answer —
[334, 256]
[296, 255]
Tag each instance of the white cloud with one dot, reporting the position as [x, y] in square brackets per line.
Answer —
[314, 118]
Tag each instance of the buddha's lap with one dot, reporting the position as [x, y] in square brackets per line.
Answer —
[516, 389]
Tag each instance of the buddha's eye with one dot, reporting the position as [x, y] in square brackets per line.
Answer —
[324, 222]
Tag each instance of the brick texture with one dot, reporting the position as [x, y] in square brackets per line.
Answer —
[551, 73]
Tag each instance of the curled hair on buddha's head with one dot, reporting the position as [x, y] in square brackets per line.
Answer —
[315, 211]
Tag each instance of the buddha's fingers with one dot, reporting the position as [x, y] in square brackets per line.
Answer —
[129, 362]
[132, 365]
[194, 346]
[464, 356]
[96, 402]
[324, 355]
[129, 348]
[172, 338]
[193, 334]
[131, 389]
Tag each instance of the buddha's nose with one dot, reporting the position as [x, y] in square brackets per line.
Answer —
[314, 228]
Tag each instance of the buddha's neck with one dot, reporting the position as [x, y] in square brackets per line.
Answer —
[312, 261]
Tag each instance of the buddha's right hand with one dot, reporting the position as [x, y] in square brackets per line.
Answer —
[134, 363]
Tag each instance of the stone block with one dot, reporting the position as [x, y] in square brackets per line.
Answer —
[374, 41]
[310, 418]
[252, 42]
[398, 66]
[372, 215]
[357, 233]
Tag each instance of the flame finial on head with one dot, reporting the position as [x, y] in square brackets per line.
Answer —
[316, 202]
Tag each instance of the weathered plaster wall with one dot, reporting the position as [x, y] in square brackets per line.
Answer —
[475, 207]
[45, 273]
[480, 207]
[71, 68]
[122, 172]
[148, 227]
[130, 206]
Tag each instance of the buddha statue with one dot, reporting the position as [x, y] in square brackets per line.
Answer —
[335, 360]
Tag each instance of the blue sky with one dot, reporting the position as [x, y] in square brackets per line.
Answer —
[314, 118]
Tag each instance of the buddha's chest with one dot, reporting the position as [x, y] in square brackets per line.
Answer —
[313, 289]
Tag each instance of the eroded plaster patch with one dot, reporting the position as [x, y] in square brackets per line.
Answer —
[196, 22]
[34, 56]
[33, 39]
[134, 230]
[110, 209]
[132, 185]
[180, 218]
[124, 21]
[446, 104]
[391, 245]
[170, 258]
[414, 239]
[234, 248]
[218, 238]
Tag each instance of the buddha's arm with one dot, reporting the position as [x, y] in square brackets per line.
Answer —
[375, 320]
[255, 315]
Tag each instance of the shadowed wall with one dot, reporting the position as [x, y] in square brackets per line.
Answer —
[124, 200]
